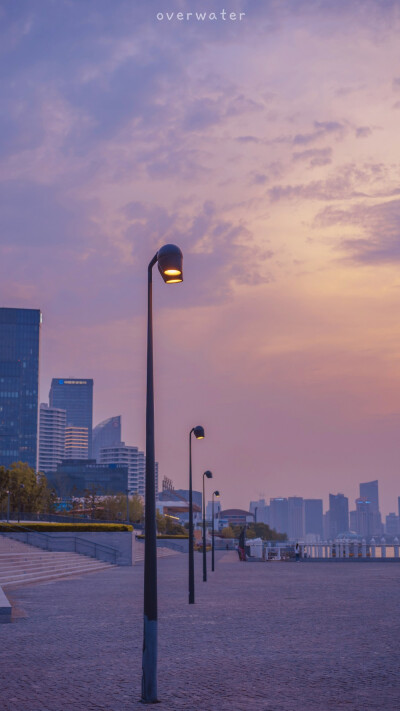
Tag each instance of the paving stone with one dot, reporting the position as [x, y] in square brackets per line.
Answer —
[267, 637]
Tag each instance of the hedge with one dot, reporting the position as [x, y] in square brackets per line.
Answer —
[164, 535]
[44, 527]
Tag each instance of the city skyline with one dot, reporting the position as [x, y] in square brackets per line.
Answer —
[276, 174]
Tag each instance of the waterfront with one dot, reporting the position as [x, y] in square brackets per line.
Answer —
[282, 637]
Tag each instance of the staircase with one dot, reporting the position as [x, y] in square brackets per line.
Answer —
[21, 563]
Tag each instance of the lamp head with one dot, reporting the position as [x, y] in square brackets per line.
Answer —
[170, 259]
[198, 432]
[216, 493]
[208, 474]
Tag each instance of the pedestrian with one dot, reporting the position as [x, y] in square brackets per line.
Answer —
[297, 551]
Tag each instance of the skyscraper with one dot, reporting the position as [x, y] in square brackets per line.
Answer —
[338, 514]
[51, 437]
[369, 491]
[106, 434]
[296, 527]
[135, 460]
[19, 383]
[75, 396]
[278, 514]
[314, 517]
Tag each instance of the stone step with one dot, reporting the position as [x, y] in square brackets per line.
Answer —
[45, 565]
[53, 576]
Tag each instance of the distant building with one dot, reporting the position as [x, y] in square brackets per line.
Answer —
[106, 434]
[170, 503]
[76, 476]
[76, 443]
[135, 460]
[338, 514]
[260, 510]
[19, 380]
[217, 509]
[392, 527]
[369, 492]
[197, 496]
[278, 515]
[313, 517]
[237, 517]
[75, 396]
[362, 519]
[296, 522]
[51, 437]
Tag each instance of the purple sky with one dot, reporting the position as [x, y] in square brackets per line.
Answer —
[269, 151]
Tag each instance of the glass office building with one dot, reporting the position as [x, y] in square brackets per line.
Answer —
[75, 396]
[19, 383]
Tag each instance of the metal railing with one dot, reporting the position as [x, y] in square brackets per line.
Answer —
[76, 543]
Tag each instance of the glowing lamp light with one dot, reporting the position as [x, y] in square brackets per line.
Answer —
[198, 432]
[170, 260]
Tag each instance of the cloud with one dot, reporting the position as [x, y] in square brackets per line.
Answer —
[321, 130]
[314, 156]
[381, 226]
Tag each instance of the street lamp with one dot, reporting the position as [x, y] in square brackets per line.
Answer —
[8, 506]
[207, 474]
[199, 434]
[21, 488]
[169, 259]
[215, 493]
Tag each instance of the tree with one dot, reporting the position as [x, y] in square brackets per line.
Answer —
[29, 492]
[113, 507]
[227, 532]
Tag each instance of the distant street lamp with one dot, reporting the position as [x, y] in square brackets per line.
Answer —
[20, 490]
[207, 474]
[215, 493]
[199, 434]
[8, 506]
[169, 259]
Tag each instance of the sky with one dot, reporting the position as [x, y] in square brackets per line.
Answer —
[267, 147]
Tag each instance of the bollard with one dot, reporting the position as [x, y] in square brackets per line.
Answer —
[396, 547]
[383, 547]
[363, 548]
[278, 557]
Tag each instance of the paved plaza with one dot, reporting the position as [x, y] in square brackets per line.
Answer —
[261, 637]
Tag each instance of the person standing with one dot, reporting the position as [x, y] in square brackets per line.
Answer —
[297, 551]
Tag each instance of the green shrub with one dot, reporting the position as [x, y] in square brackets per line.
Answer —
[165, 536]
[44, 527]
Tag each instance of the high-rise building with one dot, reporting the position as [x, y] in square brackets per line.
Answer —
[363, 518]
[76, 443]
[75, 396]
[369, 491]
[260, 510]
[135, 460]
[51, 437]
[19, 385]
[296, 523]
[338, 514]
[106, 434]
[392, 527]
[313, 515]
[278, 515]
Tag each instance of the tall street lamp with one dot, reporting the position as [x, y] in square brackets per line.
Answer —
[207, 474]
[199, 434]
[169, 259]
[215, 493]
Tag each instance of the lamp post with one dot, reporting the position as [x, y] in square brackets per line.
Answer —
[215, 493]
[8, 506]
[169, 259]
[207, 474]
[199, 434]
[20, 490]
